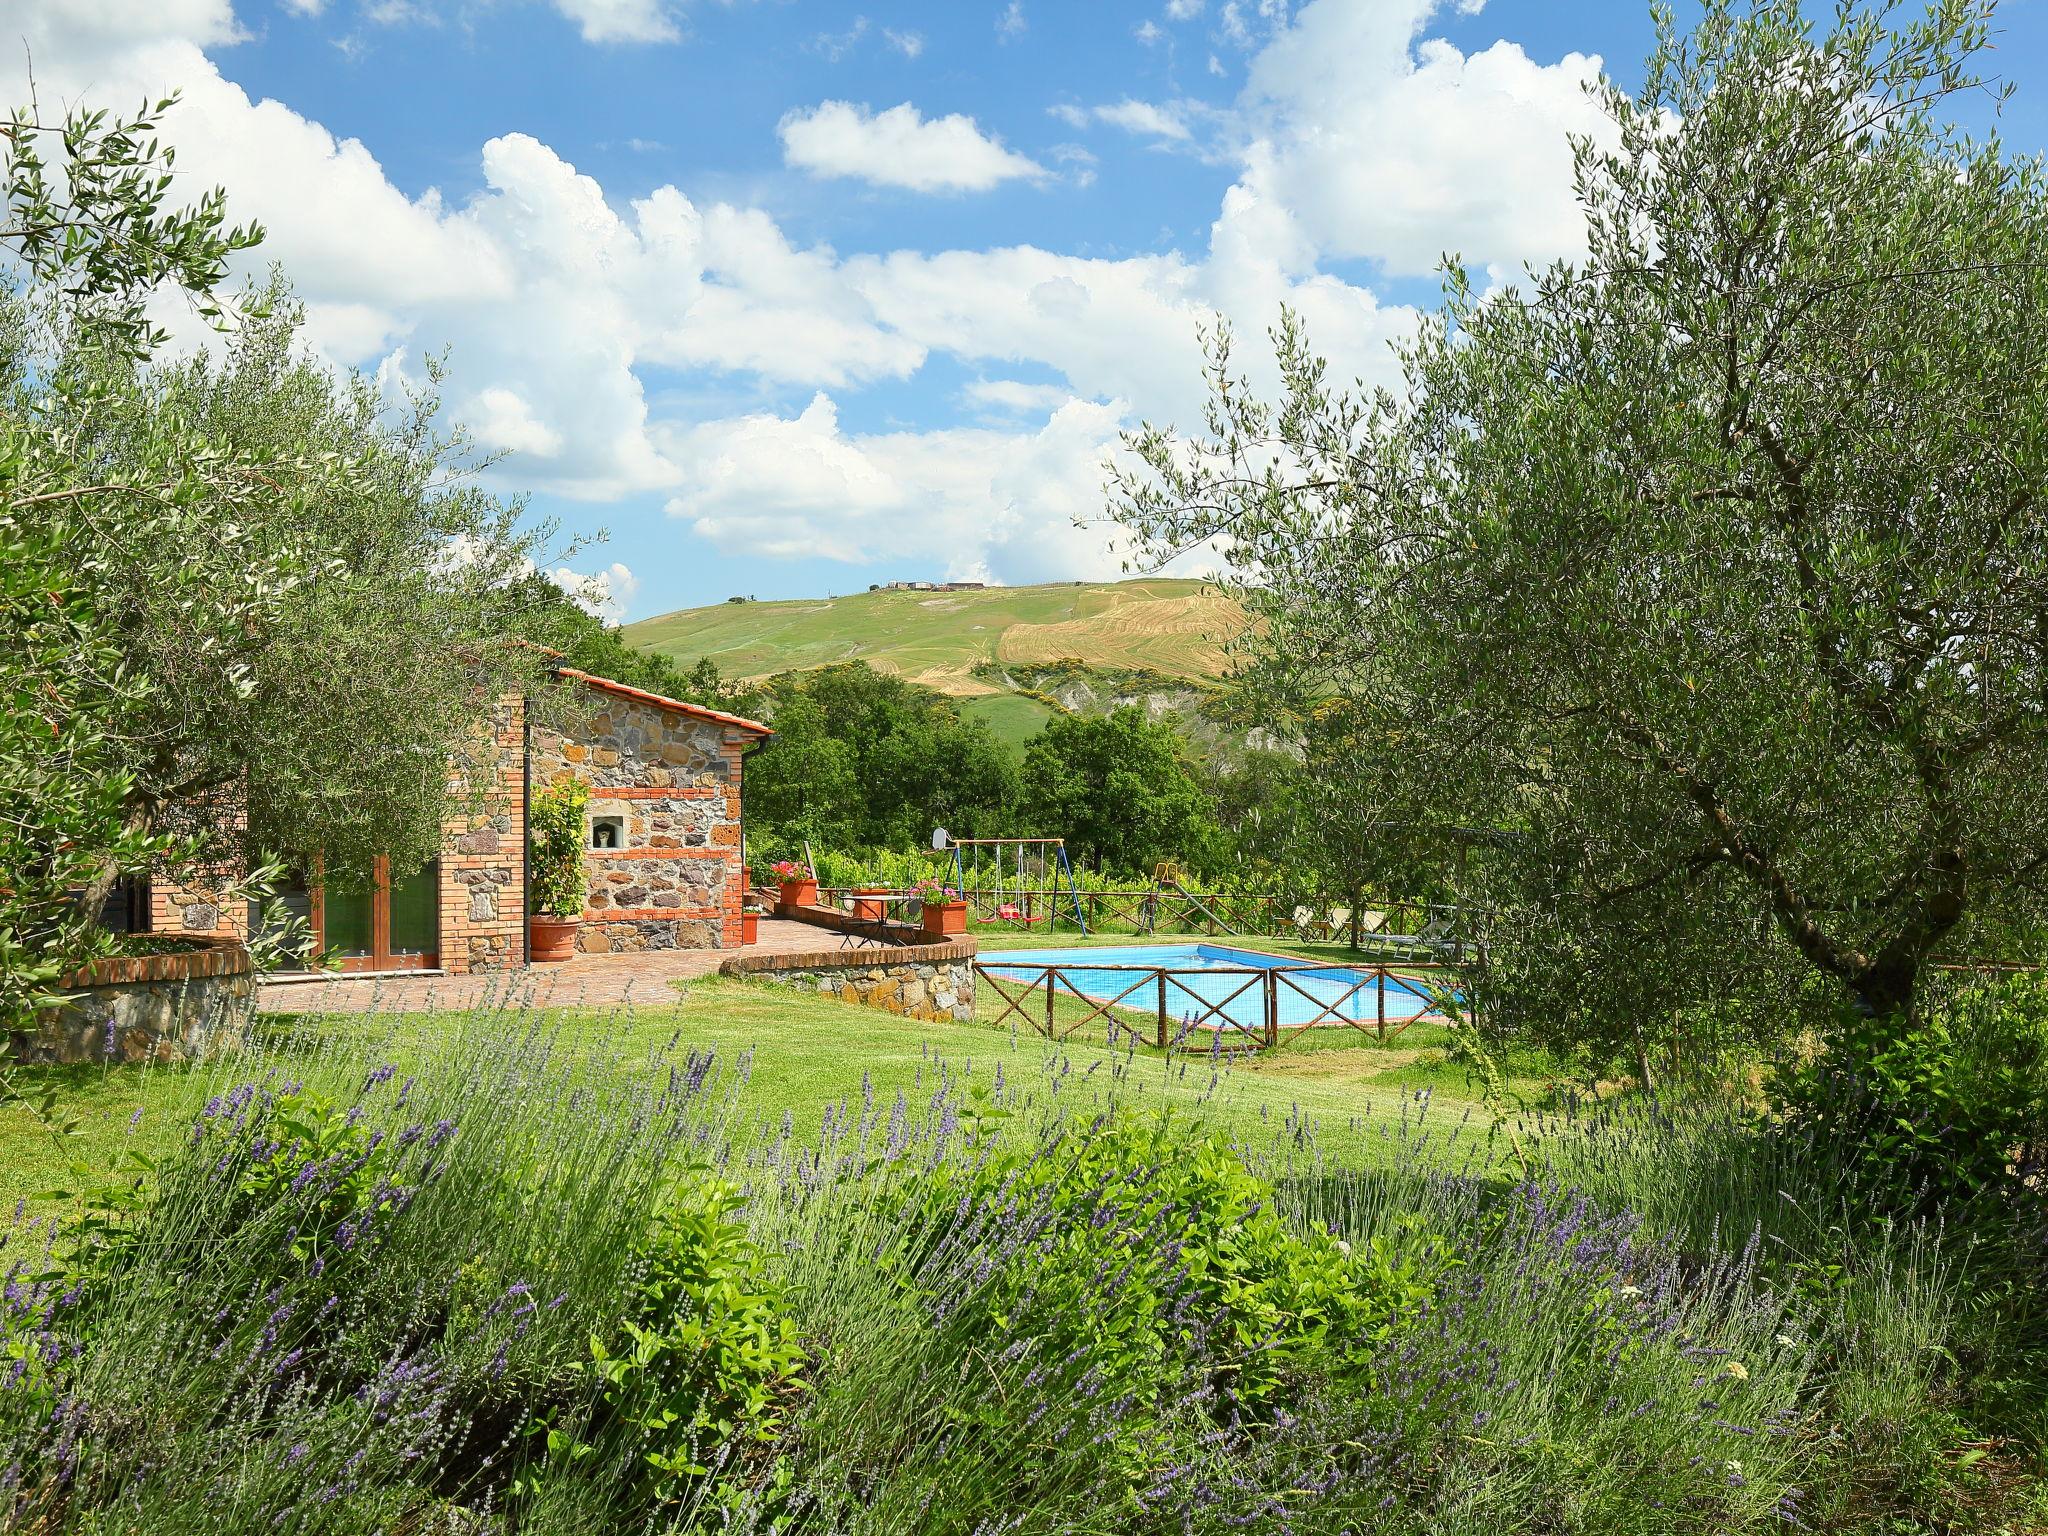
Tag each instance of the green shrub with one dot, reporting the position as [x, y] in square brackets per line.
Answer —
[1145, 1246]
[1937, 1110]
[1043, 1327]
[705, 1364]
[554, 827]
[287, 1177]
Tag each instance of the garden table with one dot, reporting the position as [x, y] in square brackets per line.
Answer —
[873, 930]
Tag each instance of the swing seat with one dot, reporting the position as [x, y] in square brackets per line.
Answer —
[1019, 902]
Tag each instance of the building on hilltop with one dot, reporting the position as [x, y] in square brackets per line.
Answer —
[664, 847]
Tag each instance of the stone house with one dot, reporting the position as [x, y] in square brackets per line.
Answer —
[664, 847]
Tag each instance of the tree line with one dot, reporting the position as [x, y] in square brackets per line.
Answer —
[863, 759]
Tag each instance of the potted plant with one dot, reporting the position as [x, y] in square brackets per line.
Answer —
[556, 882]
[945, 909]
[799, 885]
[752, 905]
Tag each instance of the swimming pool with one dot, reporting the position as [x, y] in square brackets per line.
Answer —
[1215, 986]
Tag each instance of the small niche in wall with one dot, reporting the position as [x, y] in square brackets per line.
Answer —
[607, 831]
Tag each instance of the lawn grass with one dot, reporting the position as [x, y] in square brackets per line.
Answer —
[801, 1053]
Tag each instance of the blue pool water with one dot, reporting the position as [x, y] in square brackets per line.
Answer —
[1201, 977]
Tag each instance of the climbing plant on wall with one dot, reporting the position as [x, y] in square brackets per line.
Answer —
[555, 865]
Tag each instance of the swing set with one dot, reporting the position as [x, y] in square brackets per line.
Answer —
[1012, 895]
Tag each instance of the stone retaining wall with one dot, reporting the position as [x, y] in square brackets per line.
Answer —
[920, 981]
[193, 1001]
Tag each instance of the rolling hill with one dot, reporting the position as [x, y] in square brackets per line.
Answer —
[1011, 655]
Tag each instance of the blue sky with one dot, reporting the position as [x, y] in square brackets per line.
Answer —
[792, 296]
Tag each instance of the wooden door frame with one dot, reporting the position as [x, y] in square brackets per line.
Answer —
[380, 957]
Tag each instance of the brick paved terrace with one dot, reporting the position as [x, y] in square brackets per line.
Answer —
[644, 977]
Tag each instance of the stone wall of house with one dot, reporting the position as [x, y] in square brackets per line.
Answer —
[672, 781]
[920, 981]
[196, 907]
[483, 859]
[187, 1003]
[194, 903]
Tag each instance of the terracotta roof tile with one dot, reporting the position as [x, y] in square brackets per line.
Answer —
[626, 691]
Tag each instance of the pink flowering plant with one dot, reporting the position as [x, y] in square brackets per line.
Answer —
[936, 893]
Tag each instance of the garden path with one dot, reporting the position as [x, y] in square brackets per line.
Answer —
[587, 981]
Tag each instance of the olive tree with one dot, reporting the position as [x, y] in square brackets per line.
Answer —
[1697, 586]
[63, 781]
[334, 687]
[248, 609]
[85, 218]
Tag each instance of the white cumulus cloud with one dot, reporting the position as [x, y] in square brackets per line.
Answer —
[608, 595]
[1015, 397]
[501, 420]
[1396, 150]
[1002, 504]
[559, 301]
[900, 148]
[621, 21]
[1145, 117]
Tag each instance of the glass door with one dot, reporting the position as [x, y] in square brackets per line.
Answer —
[346, 922]
[413, 937]
[385, 926]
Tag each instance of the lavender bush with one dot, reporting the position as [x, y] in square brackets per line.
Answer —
[522, 1291]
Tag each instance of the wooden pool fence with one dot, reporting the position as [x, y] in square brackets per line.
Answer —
[1178, 1012]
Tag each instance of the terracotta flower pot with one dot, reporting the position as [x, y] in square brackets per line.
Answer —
[750, 928]
[870, 911]
[800, 893]
[549, 939]
[944, 919]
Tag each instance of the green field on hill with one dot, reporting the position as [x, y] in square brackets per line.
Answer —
[1014, 718]
[1177, 628]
